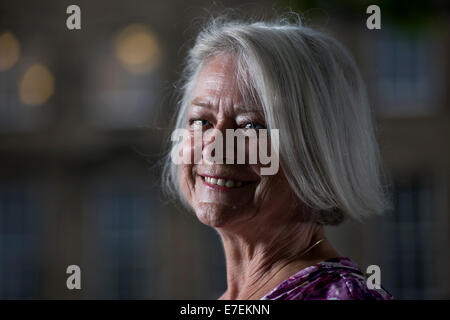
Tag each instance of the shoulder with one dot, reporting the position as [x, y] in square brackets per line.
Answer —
[334, 279]
[343, 284]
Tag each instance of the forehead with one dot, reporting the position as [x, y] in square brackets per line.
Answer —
[216, 82]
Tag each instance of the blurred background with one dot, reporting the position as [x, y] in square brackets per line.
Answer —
[85, 117]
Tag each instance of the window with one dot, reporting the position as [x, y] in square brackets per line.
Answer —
[18, 241]
[411, 249]
[408, 77]
[123, 240]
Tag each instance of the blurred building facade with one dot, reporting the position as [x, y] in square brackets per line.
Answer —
[84, 121]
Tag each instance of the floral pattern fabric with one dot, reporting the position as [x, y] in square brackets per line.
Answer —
[333, 279]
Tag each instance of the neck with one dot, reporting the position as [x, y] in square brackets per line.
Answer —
[257, 262]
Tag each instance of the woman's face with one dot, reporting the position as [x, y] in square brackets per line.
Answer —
[246, 196]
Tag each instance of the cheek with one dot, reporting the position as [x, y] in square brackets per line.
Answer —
[273, 189]
[187, 181]
[191, 148]
[186, 154]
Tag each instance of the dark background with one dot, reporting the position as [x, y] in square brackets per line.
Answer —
[84, 122]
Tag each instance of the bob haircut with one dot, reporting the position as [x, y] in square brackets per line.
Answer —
[309, 88]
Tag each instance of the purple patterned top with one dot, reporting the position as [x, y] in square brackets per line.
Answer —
[333, 279]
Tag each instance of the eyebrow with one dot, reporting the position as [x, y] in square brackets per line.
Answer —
[199, 103]
[203, 104]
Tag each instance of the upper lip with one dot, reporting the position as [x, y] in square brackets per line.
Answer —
[226, 176]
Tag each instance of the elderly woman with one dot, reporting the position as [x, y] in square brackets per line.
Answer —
[288, 77]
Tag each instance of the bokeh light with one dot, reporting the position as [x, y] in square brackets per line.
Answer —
[9, 50]
[138, 49]
[37, 85]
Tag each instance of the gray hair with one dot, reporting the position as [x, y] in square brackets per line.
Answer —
[311, 90]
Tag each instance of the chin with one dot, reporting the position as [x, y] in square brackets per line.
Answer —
[215, 215]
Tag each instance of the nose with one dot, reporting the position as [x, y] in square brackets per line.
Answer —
[215, 142]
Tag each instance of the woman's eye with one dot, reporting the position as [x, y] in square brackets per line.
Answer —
[253, 125]
[200, 123]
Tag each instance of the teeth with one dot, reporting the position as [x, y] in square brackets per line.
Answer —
[229, 184]
[223, 182]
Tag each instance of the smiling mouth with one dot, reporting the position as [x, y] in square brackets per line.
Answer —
[223, 183]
